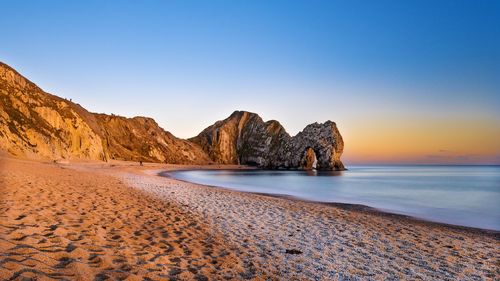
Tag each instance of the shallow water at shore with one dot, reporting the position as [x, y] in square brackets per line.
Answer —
[460, 195]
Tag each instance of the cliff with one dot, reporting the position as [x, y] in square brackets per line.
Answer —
[244, 138]
[36, 124]
[39, 125]
[141, 139]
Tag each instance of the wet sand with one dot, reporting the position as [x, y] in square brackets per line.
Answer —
[121, 220]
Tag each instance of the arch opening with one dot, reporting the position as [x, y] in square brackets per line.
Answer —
[309, 161]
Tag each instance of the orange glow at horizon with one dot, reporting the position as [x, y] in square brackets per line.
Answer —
[423, 141]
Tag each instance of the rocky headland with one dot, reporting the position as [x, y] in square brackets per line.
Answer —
[244, 138]
[39, 125]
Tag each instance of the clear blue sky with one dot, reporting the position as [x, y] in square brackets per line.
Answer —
[363, 64]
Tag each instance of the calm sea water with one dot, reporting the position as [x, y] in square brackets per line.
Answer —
[461, 195]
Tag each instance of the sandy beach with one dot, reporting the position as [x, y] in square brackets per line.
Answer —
[58, 223]
[119, 220]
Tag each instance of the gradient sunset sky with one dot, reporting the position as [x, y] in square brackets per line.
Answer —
[406, 81]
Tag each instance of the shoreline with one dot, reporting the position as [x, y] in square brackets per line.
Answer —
[122, 220]
[345, 206]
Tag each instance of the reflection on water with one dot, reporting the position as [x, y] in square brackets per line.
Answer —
[462, 195]
[323, 173]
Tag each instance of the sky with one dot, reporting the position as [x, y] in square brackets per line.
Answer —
[407, 82]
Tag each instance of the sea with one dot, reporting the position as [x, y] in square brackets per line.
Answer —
[459, 195]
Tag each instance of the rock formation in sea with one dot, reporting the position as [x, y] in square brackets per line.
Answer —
[244, 138]
[36, 124]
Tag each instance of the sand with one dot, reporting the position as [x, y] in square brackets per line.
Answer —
[58, 223]
[90, 221]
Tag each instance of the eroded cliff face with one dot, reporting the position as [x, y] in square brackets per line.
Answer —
[141, 139]
[39, 125]
[241, 138]
[36, 124]
[322, 140]
[244, 138]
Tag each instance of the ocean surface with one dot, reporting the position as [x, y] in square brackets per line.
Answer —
[460, 195]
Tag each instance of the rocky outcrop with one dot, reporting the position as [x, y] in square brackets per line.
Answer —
[141, 139]
[320, 141]
[241, 138]
[244, 138]
[36, 124]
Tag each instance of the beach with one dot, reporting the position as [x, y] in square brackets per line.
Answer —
[59, 223]
[120, 220]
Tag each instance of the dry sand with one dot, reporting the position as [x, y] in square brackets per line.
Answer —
[90, 221]
[57, 223]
